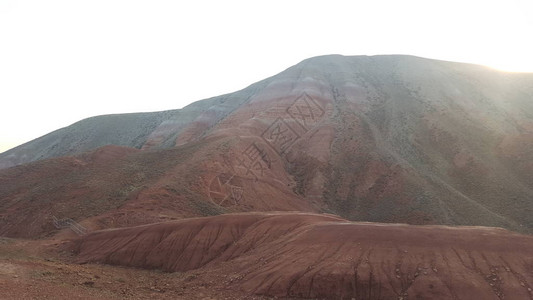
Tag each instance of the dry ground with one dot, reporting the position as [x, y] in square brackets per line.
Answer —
[37, 270]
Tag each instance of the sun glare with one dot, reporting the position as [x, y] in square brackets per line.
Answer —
[516, 65]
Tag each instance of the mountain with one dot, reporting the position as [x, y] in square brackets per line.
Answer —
[381, 138]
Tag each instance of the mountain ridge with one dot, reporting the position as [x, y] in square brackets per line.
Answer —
[9, 157]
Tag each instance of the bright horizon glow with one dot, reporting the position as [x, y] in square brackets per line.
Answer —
[62, 61]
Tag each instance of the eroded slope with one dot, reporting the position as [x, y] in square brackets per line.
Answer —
[322, 256]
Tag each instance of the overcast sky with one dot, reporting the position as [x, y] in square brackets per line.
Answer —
[62, 61]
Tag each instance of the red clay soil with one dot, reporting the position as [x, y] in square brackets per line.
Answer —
[35, 270]
[322, 256]
[118, 187]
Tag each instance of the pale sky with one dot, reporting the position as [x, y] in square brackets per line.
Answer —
[62, 61]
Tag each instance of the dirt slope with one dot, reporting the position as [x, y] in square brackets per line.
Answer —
[119, 186]
[322, 256]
